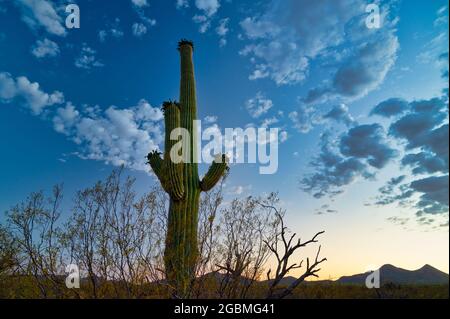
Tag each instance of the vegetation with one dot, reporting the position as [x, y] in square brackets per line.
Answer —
[116, 238]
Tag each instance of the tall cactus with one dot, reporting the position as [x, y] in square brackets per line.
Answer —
[181, 181]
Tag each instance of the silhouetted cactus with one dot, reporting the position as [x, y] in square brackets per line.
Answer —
[181, 181]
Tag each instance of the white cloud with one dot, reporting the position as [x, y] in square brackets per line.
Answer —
[140, 3]
[8, 88]
[28, 92]
[45, 48]
[222, 30]
[120, 136]
[113, 31]
[239, 189]
[210, 7]
[182, 4]
[260, 72]
[304, 118]
[258, 105]
[41, 14]
[87, 59]
[255, 29]
[148, 22]
[269, 121]
[442, 16]
[116, 136]
[210, 119]
[145, 112]
[102, 34]
[204, 22]
[65, 118]
[138, 29]
[434, 48]
[282, 62]
[288, 34]
[283, 136]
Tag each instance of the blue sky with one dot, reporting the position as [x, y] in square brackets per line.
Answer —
[362, 113]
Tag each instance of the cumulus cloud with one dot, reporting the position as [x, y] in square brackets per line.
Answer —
[204, 22]
[361, 72]
[222, 30]
[138, 29]
[267, 122]
[304, 118]
[209, 7]
[332, 170]
[140, 3]
[28, 93]
[114, 136]
[367, 142]
[139, 7]
[356, 154]
[434, 48]
[182, 4]
[340, 113]
[283, 136]
[422, 128]
[41, 14]
[442, 16]
[45, 48]
[210, 119]
[280, 61]
[390, 107]
[87, 59]
[434, 198]
[119, 136]
[443, 61]
[113, 31]
[239, 189]
[65, 118]
[287, 35]
[425, 163]
[258, 105]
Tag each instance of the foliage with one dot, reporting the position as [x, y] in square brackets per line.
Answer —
[116, 238]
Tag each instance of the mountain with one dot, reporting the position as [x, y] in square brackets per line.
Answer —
[391, 274]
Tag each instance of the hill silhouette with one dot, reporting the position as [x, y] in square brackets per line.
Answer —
[426, 275]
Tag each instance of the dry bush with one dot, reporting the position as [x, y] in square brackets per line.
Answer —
[116, 238]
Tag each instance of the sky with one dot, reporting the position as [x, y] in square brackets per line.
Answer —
[362, 112]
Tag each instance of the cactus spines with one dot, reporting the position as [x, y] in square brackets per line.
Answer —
[181, 180]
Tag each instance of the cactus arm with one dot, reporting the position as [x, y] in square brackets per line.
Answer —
[174, 171]
[157, 165]
[215, 172]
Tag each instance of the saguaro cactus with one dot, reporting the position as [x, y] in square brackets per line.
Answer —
[181, 180]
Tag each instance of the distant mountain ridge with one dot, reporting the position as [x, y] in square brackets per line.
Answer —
[427, 275]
